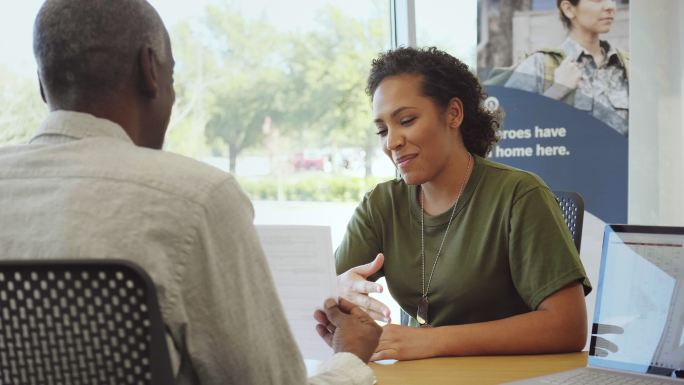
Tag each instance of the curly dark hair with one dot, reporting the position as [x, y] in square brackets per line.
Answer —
[443, 78]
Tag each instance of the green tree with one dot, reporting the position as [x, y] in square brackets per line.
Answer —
[234, 74]
[248, 77]
[240, 108]
[328, 69]
[186, 132]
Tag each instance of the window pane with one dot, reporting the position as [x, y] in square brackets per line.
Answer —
[22, 109]
[273, 91]
[450, 26]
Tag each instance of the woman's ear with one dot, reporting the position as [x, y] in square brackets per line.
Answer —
[455, 113]
[568, 9]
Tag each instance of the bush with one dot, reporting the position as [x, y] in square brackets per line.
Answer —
[310, 188]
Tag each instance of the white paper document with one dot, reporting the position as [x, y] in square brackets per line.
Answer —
[303, 268]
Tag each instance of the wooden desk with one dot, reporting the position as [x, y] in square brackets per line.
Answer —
[474, 370]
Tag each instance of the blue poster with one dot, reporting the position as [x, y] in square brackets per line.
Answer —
[568, 148]
[558, 71]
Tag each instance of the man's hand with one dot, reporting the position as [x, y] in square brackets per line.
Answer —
[347, 328]
[568, 74]
[355, 287]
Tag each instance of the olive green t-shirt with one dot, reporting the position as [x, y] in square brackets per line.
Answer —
[507, 249]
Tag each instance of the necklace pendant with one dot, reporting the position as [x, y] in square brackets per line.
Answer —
[422, 314]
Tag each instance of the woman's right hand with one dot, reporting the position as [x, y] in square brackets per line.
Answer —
[568, 74]
[355, 287]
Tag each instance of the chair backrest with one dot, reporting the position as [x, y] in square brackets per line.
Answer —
[80, 322]
[572, 206]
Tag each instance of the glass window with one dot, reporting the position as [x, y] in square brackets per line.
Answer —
[22, 108]
[272, 91]
[450, 26]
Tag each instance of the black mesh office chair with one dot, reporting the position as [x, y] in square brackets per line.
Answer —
[572, 206]
[80, 323]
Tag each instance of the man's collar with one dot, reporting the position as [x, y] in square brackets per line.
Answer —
[79, 125]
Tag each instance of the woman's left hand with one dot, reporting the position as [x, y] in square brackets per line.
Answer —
[404, 343]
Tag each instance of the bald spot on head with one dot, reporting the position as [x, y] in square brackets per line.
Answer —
[87, 49]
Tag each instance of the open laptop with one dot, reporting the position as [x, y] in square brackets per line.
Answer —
[638, 327]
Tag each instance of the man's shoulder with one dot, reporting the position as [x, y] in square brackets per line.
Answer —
[172, 164]
[114, 162]
[177, 172]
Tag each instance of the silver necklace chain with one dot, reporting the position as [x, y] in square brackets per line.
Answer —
[422, 230]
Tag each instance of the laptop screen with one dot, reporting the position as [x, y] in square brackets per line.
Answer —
[639, 315]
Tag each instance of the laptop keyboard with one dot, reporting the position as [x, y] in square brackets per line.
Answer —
[598, 378]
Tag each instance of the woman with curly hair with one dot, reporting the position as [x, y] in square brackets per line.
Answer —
[474, 251]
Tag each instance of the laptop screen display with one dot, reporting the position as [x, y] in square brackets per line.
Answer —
[639, 315]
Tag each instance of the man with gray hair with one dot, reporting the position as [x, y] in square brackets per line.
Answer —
[92, 184]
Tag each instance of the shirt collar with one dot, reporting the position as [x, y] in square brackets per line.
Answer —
[610, 50]
[574, 50]
[78, 125]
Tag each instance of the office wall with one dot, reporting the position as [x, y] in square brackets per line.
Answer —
[656, 162]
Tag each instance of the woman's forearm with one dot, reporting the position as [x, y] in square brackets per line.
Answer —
[559, 325]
